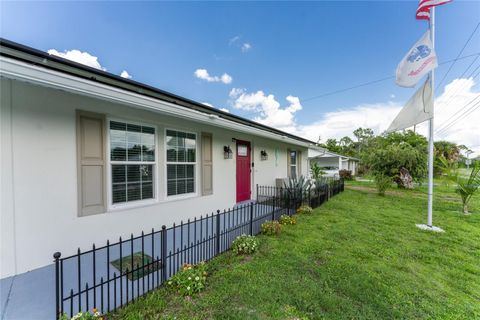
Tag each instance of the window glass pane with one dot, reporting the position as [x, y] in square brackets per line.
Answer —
[118, 174]
[118, 141]
[171, 155]
[147, 190]
[118, 151]
[146, 172]
[171, 188]
[190, 171]
[133, 173]
[119, 193]
[190, 186]
[293, 157]
[191, 155]
[181, 186]
[293, 171]
[133, 191]
[171, 171]
[181, 157]
[148, 153]
[181, 171]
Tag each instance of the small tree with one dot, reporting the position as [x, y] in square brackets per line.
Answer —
[382, 182]
[317, 171]
[466, 188]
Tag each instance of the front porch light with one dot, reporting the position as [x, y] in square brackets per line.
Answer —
[263, 155]
[227, 152]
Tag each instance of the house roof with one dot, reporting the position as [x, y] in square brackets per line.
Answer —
[327, 153]
[36, 57]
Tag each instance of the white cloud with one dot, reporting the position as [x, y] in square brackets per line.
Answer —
[269, 109]
[338, 124]
[378, 116]
[204, 75]
[246, 47]
[392, 96]
[212, 106]
[80, 57]
[125, 75]
[208, 104]
[233, 40]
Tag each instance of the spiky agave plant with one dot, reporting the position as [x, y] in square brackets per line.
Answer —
[297, 188]
[466, 188]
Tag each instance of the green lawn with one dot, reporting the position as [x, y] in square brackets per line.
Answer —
[359, 256]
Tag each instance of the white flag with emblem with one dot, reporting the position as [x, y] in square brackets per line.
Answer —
[418, 109]
[420, 60]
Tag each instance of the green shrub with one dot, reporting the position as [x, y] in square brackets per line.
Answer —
[83, 316]
[285, 219]
[304, 209]
[271, 228]
[245, 244]
[383, 182]
[190, 279]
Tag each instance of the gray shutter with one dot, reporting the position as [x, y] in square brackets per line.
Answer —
[91, 163]
[207, 164]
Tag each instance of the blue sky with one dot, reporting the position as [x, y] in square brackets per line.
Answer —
[301, 49]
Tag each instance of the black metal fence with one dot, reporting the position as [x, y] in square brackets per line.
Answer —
[115, 274]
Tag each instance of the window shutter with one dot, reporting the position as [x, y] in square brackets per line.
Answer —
[207, 164]
[91, 163]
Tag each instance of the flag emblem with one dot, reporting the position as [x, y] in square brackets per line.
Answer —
[419, 60]
[423, 10]
[418, 53]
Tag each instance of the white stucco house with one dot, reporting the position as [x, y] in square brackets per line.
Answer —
[331, 162]
[88, 156]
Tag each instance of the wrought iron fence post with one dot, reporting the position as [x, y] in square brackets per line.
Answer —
[217, 244]
[273, 209]
[56, 256]
[251, 217]
[163, 253]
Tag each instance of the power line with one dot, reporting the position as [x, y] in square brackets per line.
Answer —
[461, 87]
[466, 114]
[461, 117]
[378, 80]
[449, 122]
[461, 51]
[367, 83]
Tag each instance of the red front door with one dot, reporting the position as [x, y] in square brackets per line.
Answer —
[243, 171]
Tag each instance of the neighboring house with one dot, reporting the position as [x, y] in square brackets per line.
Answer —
[89, 156]
[332, 162]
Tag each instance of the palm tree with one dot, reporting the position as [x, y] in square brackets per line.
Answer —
[466, 188]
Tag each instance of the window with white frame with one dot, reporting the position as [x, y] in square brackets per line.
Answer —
[132, 161]
[293, 164]
[181, 148]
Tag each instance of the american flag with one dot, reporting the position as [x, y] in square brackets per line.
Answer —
[423, 10]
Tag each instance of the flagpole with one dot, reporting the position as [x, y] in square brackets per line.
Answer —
[430, 127]
[429, 225]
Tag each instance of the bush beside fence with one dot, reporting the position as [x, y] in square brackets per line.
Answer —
[113, 275]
